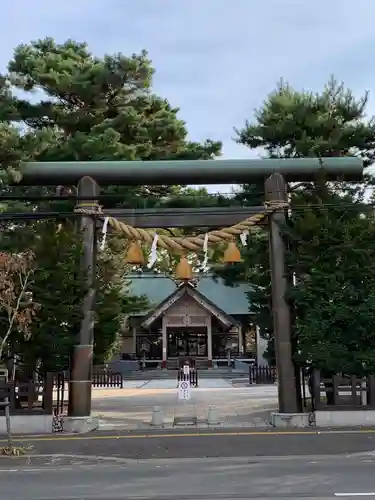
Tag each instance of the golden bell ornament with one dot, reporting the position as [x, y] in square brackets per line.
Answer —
[184, 270]
[232, 255]
[134, 255]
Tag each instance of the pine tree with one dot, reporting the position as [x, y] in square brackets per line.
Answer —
[293, 124]
[59, 102]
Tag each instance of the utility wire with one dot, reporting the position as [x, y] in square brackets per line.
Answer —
[120, 196]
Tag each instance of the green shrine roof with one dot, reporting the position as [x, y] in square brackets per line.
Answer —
[157, 287]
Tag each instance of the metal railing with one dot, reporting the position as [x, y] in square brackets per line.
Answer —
[107, 379]
[104, 378]
[262, 374]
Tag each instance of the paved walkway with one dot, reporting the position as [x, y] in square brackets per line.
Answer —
[131, 408]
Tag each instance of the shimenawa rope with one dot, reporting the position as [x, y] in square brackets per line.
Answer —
[183, 244]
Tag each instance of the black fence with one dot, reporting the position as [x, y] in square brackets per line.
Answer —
[107, 379]
[104, 378]
[262, 374]
[61, 387]
[191, 377]
[60, 393]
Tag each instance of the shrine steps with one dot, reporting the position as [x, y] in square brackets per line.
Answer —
[172, 374]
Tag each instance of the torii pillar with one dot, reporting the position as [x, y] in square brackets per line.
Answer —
[276, 190]
[81, 362]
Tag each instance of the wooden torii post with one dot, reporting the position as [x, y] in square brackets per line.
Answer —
[276, 173]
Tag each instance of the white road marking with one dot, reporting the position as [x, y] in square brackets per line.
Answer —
[367, 494]
[62, 468]
[27, 469]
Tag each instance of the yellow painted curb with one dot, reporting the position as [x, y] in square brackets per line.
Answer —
[166, 435]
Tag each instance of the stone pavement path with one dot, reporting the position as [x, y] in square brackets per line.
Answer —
[131, 407]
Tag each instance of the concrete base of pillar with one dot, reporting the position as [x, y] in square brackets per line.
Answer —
[80, 425]
[290, 420]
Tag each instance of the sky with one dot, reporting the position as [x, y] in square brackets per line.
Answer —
[215, 59]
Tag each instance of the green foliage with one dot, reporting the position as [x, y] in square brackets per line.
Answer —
[98, 109]
[113, 304]
[59, 289]
[330, 247]
[332, 255]
[186, 197]
[76, 106]
[59, 286]
[294, 124]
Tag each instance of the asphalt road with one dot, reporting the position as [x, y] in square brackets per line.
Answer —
[198, 444]
[191, 465]
[305, 477]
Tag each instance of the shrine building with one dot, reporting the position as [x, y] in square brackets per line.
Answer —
[203, 320]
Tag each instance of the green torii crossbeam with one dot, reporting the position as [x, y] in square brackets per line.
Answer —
[133, 173]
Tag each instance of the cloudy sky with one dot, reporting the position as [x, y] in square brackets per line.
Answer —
[215, 59]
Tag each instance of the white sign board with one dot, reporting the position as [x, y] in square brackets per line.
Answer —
[184, 390]
[186, 369]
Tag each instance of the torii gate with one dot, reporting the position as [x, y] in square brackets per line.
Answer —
[275, 172]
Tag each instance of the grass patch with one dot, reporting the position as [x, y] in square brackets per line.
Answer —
[15, 451]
